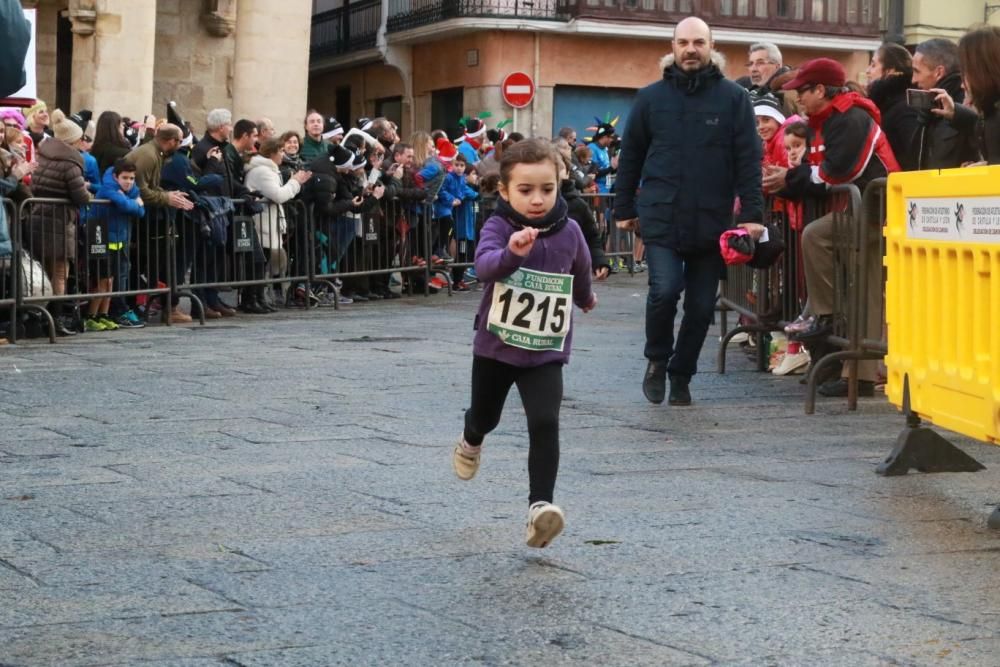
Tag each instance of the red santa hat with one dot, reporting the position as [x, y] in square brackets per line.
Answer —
[446, 150]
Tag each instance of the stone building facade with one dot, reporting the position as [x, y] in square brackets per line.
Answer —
[132, 56]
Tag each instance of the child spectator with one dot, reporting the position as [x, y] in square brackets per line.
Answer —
[447, 199]
[796, 142]
[464, 215]
[119, 187]
[531, 252]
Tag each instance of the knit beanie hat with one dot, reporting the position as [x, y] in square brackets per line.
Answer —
[341, 157]
[9, 113]
[66, 129]
[768, 105]
[332, 128]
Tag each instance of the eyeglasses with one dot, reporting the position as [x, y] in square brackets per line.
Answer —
[759, 63]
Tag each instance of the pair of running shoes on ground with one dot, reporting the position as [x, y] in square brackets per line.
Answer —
[545, 520]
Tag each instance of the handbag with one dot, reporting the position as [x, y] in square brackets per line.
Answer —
[34, 280]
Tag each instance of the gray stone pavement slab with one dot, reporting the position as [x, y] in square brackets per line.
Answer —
[277, 491]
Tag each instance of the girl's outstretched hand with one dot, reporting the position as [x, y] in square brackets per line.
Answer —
[522, 242]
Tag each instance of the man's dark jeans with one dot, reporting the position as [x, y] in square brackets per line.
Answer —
[670, 274]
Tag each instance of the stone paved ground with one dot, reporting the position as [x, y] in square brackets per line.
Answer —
[278, 492]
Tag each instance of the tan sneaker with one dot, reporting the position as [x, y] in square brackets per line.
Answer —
[545, 522]
[464, 461]
[177, 317]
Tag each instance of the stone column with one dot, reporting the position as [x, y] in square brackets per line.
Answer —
[113, 44]
[271, 67]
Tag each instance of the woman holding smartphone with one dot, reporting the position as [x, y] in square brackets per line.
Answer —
[979, 54]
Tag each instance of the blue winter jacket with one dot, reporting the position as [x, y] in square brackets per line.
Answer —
[91, 172]
[464, 215]
[7, 185]
[449, 192]
[124, 207]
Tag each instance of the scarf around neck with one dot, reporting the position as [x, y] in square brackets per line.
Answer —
[551, 223]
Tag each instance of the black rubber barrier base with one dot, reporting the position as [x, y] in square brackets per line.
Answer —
[920, 448]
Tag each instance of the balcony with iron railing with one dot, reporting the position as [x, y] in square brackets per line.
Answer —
[407, 14]
[355, 27]
[829, 17]
[345, 29]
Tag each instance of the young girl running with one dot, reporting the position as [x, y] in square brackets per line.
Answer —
[534, 264]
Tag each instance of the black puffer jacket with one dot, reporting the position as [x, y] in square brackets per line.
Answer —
[580, 211]
[691, 140]
[899, 121]
[985, 129]
[940, 143]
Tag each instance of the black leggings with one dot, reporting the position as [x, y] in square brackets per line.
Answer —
[541, 390]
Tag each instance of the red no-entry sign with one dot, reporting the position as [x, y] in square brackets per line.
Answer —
[518, 90]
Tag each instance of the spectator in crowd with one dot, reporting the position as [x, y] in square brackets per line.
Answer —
[765, 61]
[889, 76]
[429, 175]
[291, 161]
[51, 228]
[109, 140]
[385, 132]
[848, 147]
[766, 72]
[979, 53]
[37, 123]
[581, 179]
[265, 130]
[264, 176]
[14, 163]
[464, 218]
[91, 171]
[149, 159]
[569, 135]
[682, 211]
[940, 144]
[580, 211]
[472, 140]
[314, 144]
[118, 186]
[604, 164]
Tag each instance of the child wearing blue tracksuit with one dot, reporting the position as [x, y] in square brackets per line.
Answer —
[448, 197]
[118, 186]
[462, 244]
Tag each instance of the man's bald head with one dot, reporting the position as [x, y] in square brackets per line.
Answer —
[692, 44]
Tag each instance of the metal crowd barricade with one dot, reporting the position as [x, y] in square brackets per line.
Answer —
[767, 300]
[618, 244]
[858, 319]
[78, 256]
[260, 248]
[9, 271]
[359, 253]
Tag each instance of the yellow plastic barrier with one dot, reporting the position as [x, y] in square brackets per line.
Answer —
[943, 297]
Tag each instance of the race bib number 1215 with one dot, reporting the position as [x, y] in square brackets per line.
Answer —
[532, 309]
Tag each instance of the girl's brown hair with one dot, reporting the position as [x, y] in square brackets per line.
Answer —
[529, 151]
[800, 130]
[979, 54]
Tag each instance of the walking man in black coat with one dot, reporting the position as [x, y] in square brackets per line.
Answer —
[691, 141]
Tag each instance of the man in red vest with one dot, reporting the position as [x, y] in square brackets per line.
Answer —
[847, 146]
